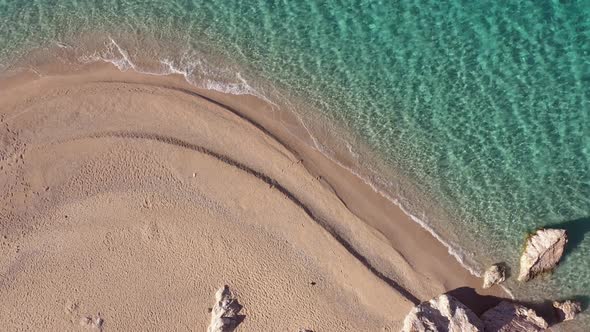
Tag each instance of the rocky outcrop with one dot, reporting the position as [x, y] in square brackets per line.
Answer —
[444, 313]
[224, 314]
[495, 274]
[542, 252]
[511, 317]
[567, 310]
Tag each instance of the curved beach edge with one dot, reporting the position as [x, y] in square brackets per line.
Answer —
[183, 189]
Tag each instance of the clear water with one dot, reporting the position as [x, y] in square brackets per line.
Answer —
[482, 105]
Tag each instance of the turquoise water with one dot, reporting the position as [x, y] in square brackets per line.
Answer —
[482, 106]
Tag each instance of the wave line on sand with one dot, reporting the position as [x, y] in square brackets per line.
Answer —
[273, 183]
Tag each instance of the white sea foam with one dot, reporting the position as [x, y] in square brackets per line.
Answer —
[113, 54]
[189, 67]
[63, 45]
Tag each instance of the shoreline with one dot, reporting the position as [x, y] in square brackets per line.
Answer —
[248, 106]
[378, 234]
[115, 55]
[297, 130]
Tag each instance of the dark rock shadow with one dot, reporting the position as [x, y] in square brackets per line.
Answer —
[576, 231]
[481, 303]
[477, 303]
[238, 320]
[507, 269]
[235, 317]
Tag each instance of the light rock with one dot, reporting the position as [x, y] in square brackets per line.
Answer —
[567, 310]
[444, 313]
[224, 315]
[495, 274]
[511, 317]
[542, 252]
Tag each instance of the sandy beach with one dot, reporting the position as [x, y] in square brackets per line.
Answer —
[133, 198]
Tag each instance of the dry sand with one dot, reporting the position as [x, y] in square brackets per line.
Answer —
[133, 198]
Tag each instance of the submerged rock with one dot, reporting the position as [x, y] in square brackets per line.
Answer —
[224, 315]
[567, 310]
[495, 274]
[511, 317]
[444, 313]
[542, 252]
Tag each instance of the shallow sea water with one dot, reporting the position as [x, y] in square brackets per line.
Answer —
[483, 106]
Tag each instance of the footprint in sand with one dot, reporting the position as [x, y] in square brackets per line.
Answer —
[147, 203]
[71, 308]
[150, 231]
[92, 322]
